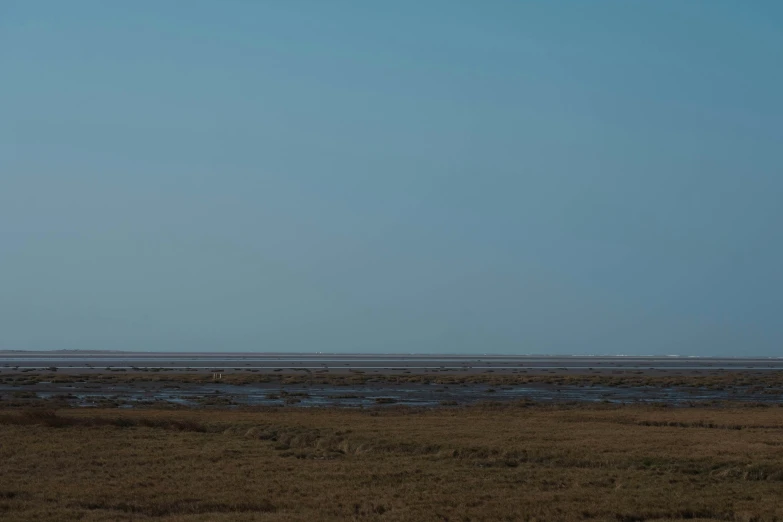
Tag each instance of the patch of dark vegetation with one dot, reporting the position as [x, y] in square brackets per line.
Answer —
[24, 395]
[212, 401]
[51, 419]
[682, 514]
[185, 507]
[697, 424]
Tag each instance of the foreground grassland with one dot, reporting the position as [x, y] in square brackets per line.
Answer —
[512, 462]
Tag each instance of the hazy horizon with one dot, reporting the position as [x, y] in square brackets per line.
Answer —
[440, 177]
[445, 355]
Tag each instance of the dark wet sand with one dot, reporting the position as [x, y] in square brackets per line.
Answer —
[131, 394]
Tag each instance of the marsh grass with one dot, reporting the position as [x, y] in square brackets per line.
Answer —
[757, 382]
[486, 462]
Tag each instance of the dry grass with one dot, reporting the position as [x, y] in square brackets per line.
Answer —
[478, 463]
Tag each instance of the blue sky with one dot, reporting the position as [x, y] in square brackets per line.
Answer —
[441, 176]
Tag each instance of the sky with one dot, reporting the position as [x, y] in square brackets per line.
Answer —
[512, 177]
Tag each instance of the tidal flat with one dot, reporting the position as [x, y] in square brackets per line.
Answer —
[129, 380]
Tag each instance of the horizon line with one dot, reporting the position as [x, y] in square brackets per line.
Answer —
[376, 354]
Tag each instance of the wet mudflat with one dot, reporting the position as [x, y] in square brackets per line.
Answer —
[359, 389]
[412, 394]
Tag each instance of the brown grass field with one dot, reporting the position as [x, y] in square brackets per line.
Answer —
[486, 462]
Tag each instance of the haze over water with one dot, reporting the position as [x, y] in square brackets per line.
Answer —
[505, 177]
[77, 361]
